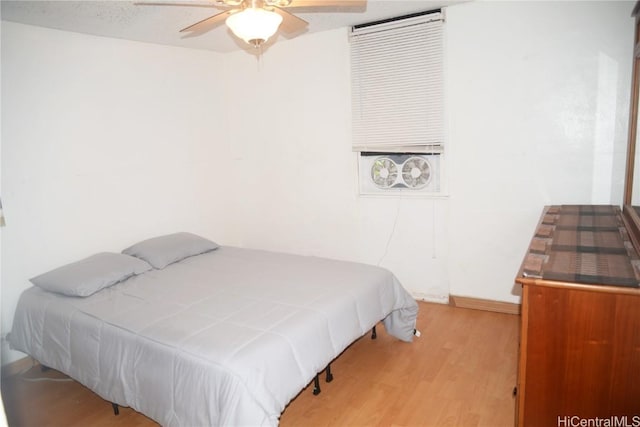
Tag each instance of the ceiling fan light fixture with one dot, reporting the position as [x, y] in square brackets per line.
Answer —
[254, 25]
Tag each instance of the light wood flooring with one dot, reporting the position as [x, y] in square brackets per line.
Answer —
[460, 372]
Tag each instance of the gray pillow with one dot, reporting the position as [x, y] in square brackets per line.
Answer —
[88, 276]
[164, 250]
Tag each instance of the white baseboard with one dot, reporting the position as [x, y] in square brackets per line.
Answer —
[439, 299]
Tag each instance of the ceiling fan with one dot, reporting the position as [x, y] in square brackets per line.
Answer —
[255, 21]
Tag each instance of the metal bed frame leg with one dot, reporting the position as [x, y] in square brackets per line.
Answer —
[316, 380]
[116, 410]
[316, 385]
[329, 375]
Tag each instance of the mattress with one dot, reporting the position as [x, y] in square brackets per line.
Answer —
[228, 337]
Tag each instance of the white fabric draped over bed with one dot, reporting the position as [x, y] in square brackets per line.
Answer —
[228, 337]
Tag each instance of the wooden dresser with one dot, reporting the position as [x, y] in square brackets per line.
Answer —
[580, 333]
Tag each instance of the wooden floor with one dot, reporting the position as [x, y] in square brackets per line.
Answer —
[460, 372]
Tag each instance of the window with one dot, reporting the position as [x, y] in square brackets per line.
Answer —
[397, 92]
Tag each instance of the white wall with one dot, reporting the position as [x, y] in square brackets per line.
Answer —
[3, 420]
[104, 142]
[538, 96]
[299, 173]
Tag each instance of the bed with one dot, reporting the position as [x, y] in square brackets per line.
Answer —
[224, 337]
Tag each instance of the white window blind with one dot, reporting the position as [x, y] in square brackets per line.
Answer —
[397, 84]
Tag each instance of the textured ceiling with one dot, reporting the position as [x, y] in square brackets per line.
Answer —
[161, 24]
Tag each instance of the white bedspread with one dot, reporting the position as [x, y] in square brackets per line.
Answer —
[224, 338]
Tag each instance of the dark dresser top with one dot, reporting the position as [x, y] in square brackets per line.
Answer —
[585, 244]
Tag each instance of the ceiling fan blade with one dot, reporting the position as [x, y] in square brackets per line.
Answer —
[207, 23]
[290, 23]
[327, 3]
[184, 4]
